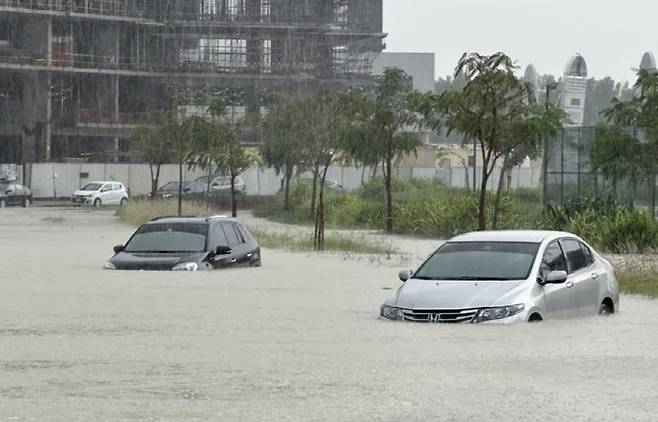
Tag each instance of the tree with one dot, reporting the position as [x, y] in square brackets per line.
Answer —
[153, 144]
[641, 112]
[380, 128]
[217, 141]
[283, 145]
[615, 155]
[495, 109]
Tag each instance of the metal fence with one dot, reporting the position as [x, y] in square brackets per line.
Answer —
[569, 175]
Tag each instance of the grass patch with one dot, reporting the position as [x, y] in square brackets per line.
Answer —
[334, 242]
[644, 284]
[53, 219]
[139, 212]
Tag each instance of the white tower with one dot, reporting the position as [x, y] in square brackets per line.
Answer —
[574, 95]
[648, 61]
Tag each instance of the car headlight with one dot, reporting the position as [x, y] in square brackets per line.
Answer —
[188, 266]
[109, 265]
[391, 312]
[501, 312]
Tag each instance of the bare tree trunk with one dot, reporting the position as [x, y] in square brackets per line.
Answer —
[388, 175]
[180, 187]
[286, 188]
[234, 203]
[208, 193]
[374, 169]
[314, 193]
[652, 189]
[318, 238]
[499, 193]
[482, 205]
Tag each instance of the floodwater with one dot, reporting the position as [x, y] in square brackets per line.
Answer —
[296, 340]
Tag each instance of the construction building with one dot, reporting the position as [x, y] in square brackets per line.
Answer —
[77, 76]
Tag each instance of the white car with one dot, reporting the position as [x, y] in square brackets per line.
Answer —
[505, 277]
[101, 193]
[222, 186]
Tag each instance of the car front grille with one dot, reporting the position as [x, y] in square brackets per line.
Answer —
[442, 316]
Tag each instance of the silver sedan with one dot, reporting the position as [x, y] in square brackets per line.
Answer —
[506, 277]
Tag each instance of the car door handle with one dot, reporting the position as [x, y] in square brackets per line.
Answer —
[233, 261]
[595, 275]
[249, 255]
[570, 284]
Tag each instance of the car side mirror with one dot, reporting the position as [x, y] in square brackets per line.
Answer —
[187, 190]
[8, 191]
[119, 248]
[405, 275]
[223, 250]
[556, 277]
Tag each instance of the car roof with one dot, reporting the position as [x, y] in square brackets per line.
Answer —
[191, 220]
[529, 236]
[99, 181]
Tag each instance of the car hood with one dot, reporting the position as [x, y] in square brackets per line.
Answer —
[428, 294]
[153, 261]
[84, 192]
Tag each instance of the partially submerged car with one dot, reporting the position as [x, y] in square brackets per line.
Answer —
[187, 244]
[15, 194]
[506, 277]
[99, 194]
[190, 190]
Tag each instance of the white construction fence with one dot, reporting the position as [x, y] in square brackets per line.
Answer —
[59, 180]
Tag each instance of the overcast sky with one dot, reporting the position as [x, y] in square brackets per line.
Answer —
[612, 35]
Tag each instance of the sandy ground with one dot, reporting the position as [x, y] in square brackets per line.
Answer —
[296, 340]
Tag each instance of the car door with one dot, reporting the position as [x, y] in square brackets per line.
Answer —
[581, 274]
[217, 237]
[237, 245]
[13, 196]
[560, 298]
[106, 194]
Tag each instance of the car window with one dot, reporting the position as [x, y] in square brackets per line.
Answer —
[231, 235]
[173, 237]
[106, 187]
[469, 261]
[553, 259]
[242, 232]
[576, 259]
[238, 233]
[219, 236]
[589, 257]
[92, 187]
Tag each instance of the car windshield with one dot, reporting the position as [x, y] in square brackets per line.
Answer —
[480, 261]
[92, 186]
[166, 238]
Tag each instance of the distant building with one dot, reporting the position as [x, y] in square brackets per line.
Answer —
[648, 61]
[531, 76]
[420, 66]
[574, 95]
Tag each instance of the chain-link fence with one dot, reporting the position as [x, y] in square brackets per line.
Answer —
[569, 175]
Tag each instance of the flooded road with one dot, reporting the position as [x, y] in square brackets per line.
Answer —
[297, 339]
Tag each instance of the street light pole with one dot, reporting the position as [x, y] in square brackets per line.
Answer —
[549, 86]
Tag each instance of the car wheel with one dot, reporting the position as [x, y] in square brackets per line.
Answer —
[605, 310]
[123, 203]
[3, 203]
[97, 203]
[27, 203]
[535, 318]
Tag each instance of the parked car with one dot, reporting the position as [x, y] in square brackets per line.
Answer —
[333, 185]
[187, 244]
[191, 190]
[507, 277]
[222, 186]
[101, 193]
[15, 194]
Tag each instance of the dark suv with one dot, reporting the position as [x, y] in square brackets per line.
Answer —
[187, 244]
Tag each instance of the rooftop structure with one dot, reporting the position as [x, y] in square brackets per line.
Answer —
[574, 95]
[648, 61]
[77, 76]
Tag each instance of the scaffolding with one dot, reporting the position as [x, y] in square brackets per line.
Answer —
[72, 71]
